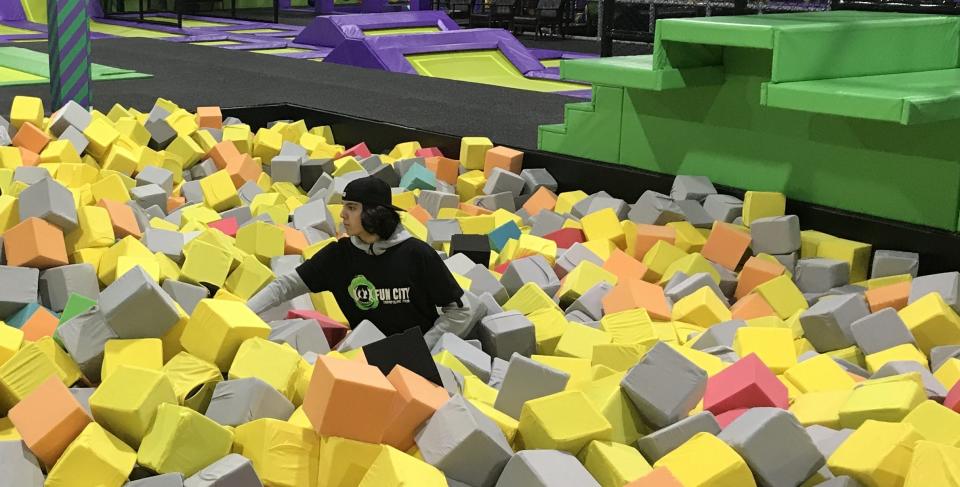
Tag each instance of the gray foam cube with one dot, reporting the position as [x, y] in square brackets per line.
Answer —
[459, 263]
[582, 207]
[940, 354]
[241, 213]
[545, 468]
[285, 169]
[726, 354]
[70, 115]
[49, 200]
[58, 283]
[165, 480]
[240, 401]
[947, 284]
[654, 208]
[84, 337]
[498, 370]
[158, 113]
[498, 201]
[696, 188]
[451, 380]
[620, 207]
[388, 174]
[292, 149]
[572, 257]
[161, 133]
[433, 201]
[82, 395]
[303, 335]
[694, 213]
[285, 264]
[19, 286]
[590, 303]
[827, 440]
[464, 443]
[123, 303]
[404, 165]
[360, 336]
[20, 468]
[506, 333]
[827, 324]
[233, 470]
[775, 234]
[30, 175]
[156, 175]
[503, 181]
[490, 303]
[312, 169]
[931, 385]
[248, 191]
[841, 481]
[820, 275]
[789, 261]
[578, 316]
[477, 361]
[664, 386]
[530, 269]
[192, 191]
[149, 195]
[879, 331]
[775, 446]
[534, 178]
[314, 214]
[546, 222]
[691, 284]
[719, 335]
[893, 263]
[663, 441]
[203, 169]
[441, 231]
[76, 138]
[371, 163]
[217, 134]
[482, 281]
[527, 379]
[185, 294]
[5, 138]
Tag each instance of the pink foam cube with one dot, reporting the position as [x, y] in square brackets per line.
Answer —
[333, 330]
[228, 226]
[429, 152]
[747, 383]
[566, 237]
[359, 151]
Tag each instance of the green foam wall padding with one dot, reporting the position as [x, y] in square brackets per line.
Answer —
[36, 64]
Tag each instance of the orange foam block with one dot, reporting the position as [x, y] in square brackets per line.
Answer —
[726, 245]
[542, 199]
[634, 293]
[122, 218]
[622, 265]
[751, 306]
[420, 398]
[48, 419]
[658, 477]
[31, 138]
[42, 323]
[649, 235]
[29, 157]
[350, 399]
[35, 243]
[224, 153]
[504, 158]
[418, 212]
[294, 241]
[209, 117]
[754, 273]
[893, 296]
[446, 170]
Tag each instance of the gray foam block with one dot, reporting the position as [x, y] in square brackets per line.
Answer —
[696, 188]
[5, 138]
[76, 138]
[820, 275]
[241, 213]
[240, 401]
[498, 370]
[19, 286]
[498, 201]
[775, 234]
[452, 381]
[578, 317]
[503, 181]
[879, 331]
[249, 190]
[572, 257]
[82, 395]
[482, 281]
[477, 361]
[388, 174]
[84, 337]
[149, 195]
[441, 231]
[314, 214]
[123, 303]
[313, 235]
[590, 303]
[940, 354]
[203, 169]
[185, 294]
[933, 388]
[893, 263]
[726, 354]
[723, 207]
[165, 480]
[70, 115]
[545, 468]
[433, 201]
[545, 222]
[140, 215]
[20, 468]
[292, 149]
[663, 441]
[507, 333]
[158, 113]
[827, 440]
[775, 446]
[167, 242]
[464, 443]
[371, 163]
[694, 213]
[284, 264]
[841, 481]
[534, 269]
[312, 169]
[527, 379]
[947, 284]
[279, 312]
[156, 175]
[620, 207]
[789, 261]
[490, 303]
[691, 284]
[285, 169]
[534, 178]
[404, 165]
[303, 335]
[49, 200]
[360, 336]
[445, 187]
[582, 207]
[827, 324]
[719, 335]
[58, 283]
[654, 208]
[664, 386]
[161, 133]
[233, 470]
[30, 175]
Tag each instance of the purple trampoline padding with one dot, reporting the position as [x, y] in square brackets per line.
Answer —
[13, 10]
[330, 31]
[555, 54]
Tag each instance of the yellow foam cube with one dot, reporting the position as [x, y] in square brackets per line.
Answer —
[267, 143]
[631, 326]
[773, 346]
[876, 454]
[240, 135]
[933, 465]
[618, 356]
[701, 308]
[146, 353]
[22, 373]
[529, 245]
[61, 151]
[578, 341]
[96, 456]
[110, 187]
[822, 408]
[193, 380]
[477, 225]
[26, 109]
[948, 373]
[473, 150]
[182, 440]
[659, 258]
[612, 403]
[935, 422]
[11, 339]
[851, 354]
[148, 264]
[881, 401]
[249, 278]
[783, 296]
[219, 192]
[134, 130]
[67, 369]
[217, 328]
[205, 263]
[8, 432]
[583, 277]
[9, 212]
[760, 204]
[705, 460]
[856, 254]
[906, 351]
[613, 464]
[529, 298]
[101, 134]
[565, 421]
[604, 225]
[283, 454]
[394, 467]
[451, 362]
[470, 184]
[691, 264]
[346, 165]
[121, 160]
[417, 229]
[931, 321]
[711, 364]
[126, 401]
[476, 390]
[344, 462]
[76, 175]
[688, 238]
[262, 240]
[162, 224]
[274, 363]
[549, 324]
[10, 158]
[579, 370]
[567, 199]
[819, 374]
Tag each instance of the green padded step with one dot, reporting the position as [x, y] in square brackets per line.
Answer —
[36, 65]
[905, 98]
[637, 72]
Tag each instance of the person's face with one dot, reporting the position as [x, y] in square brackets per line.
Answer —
[350, 214]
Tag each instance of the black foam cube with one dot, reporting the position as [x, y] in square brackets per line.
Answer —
[476, 247]
[407, 349]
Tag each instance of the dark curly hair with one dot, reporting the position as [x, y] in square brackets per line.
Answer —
[379, 220]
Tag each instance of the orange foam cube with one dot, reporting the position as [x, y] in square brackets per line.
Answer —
[754, 273]
[29, 157]
[542, 199]
[648, 235]
[122, 218]
[350, 399]
[420, 398]
[635, 293]
[751, 306]
[446, 170]
[48, 419]
[42, 323]
[209, 117]
[174, 202]
[419, 213]
[31, 138]
[35, 243]
[622, 265]
[243, 169]
[658, 477]
[726, 245]
[893, 296]
[224, 153]
[294, 241]
[504, 158]
[473, 210]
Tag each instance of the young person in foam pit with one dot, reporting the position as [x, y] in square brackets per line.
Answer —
[378, 272]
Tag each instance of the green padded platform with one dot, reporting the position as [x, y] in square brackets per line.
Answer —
[23, 66]
[638, 72]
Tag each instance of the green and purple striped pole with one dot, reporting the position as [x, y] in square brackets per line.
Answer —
[68, 25]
